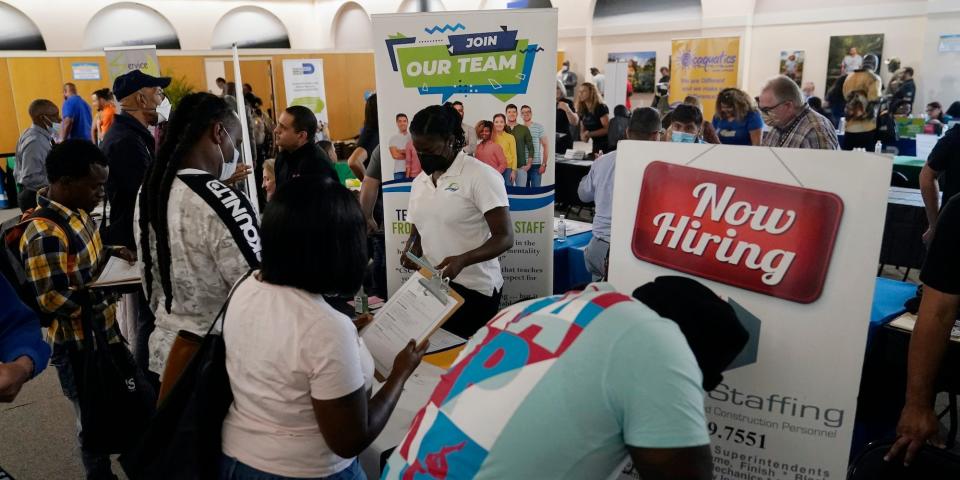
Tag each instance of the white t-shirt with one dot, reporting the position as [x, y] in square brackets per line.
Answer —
[284, 346]
[449, 217]
[851, 63]
[205, 262]
[399, 141]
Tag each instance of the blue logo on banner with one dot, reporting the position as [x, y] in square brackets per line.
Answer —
[482, 42]
[308, 69]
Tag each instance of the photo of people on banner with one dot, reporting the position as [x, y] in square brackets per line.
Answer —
[510, 142]
[497, 69]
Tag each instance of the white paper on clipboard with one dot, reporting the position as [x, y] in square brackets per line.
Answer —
[412, 312]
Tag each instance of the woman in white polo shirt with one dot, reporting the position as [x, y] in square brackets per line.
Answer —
[460, 216]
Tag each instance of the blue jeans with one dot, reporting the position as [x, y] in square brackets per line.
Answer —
[521, 178]
[233, 469]
[399, 175]
[506, 177]
[534, 176]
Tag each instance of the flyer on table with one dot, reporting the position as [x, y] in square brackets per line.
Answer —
[487, 61]
[792, 245]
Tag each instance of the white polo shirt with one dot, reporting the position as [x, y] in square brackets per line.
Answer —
[449, 217]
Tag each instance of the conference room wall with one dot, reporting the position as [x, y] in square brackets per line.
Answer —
[902, 38]
[761, 45]
[22, 79]
[939, 76]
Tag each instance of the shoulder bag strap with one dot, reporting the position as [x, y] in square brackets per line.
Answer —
[222, 314]
[234, 210]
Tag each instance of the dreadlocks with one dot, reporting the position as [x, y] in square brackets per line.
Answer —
[188, 123]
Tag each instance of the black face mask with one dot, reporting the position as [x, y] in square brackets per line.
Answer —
[431, 162]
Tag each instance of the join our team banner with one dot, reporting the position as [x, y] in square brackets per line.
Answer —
[702, 67]
[792, 246]
[121, 60]
[486, 60]
[303, 84]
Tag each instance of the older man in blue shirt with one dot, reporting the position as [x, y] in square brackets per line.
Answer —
[597, 187]
[33, 146]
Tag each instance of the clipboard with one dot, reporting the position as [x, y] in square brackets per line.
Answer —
[415, 311]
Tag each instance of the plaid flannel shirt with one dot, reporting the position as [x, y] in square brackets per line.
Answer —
[808, 130]
[58, 275]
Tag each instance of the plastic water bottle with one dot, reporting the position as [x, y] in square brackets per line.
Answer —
[878, 148]
[562, 229]
[843, 125]
[360, 302]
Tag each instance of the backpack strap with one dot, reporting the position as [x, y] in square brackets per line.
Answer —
[12, 262]
[234, 210]
[50, 215]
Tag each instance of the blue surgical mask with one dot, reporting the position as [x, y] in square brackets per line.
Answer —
[683, 137]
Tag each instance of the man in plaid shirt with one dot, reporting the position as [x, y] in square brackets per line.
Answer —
[59, 264]
[793, 123]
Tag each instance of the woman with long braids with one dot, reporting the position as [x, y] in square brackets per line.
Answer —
[460, 215]
[196, 236]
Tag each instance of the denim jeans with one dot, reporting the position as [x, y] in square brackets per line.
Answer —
[534, 176]
[595, 256]
[96, 465]
[521, 178]
[233, 469]
[506, 177]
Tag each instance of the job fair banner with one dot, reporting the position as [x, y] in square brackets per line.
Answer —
[121, 60]
[791, 244]
[303, 83]
[702, 67]
[486, 60]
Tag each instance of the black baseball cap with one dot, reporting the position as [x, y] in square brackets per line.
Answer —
[128, 83]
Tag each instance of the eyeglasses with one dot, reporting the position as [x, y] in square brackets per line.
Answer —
[770, 109]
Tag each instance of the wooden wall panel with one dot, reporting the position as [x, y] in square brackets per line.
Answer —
[361, 77]
[190, 69]
[346, 77]
[33, 78]
[85, 88]
[9, 128]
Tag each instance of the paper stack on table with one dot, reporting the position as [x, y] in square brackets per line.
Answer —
[907, 321]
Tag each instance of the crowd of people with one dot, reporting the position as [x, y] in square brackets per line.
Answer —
[299, 373]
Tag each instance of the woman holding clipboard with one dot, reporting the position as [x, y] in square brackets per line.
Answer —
[299, 372]
[460, 217]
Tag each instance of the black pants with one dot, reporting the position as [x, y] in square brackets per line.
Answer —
[26, 199]
[96, 465]
[866, 140]
[476, 311]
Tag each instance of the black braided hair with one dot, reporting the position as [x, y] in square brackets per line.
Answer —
[188, 123]
[442, 121]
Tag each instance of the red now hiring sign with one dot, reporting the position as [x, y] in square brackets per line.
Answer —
[767, 237]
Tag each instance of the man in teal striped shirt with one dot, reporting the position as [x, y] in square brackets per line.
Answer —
[541, 150]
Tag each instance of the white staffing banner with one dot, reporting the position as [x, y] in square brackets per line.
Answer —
[792, 245]
[487, 60]
[303, 83]
[121, 60]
